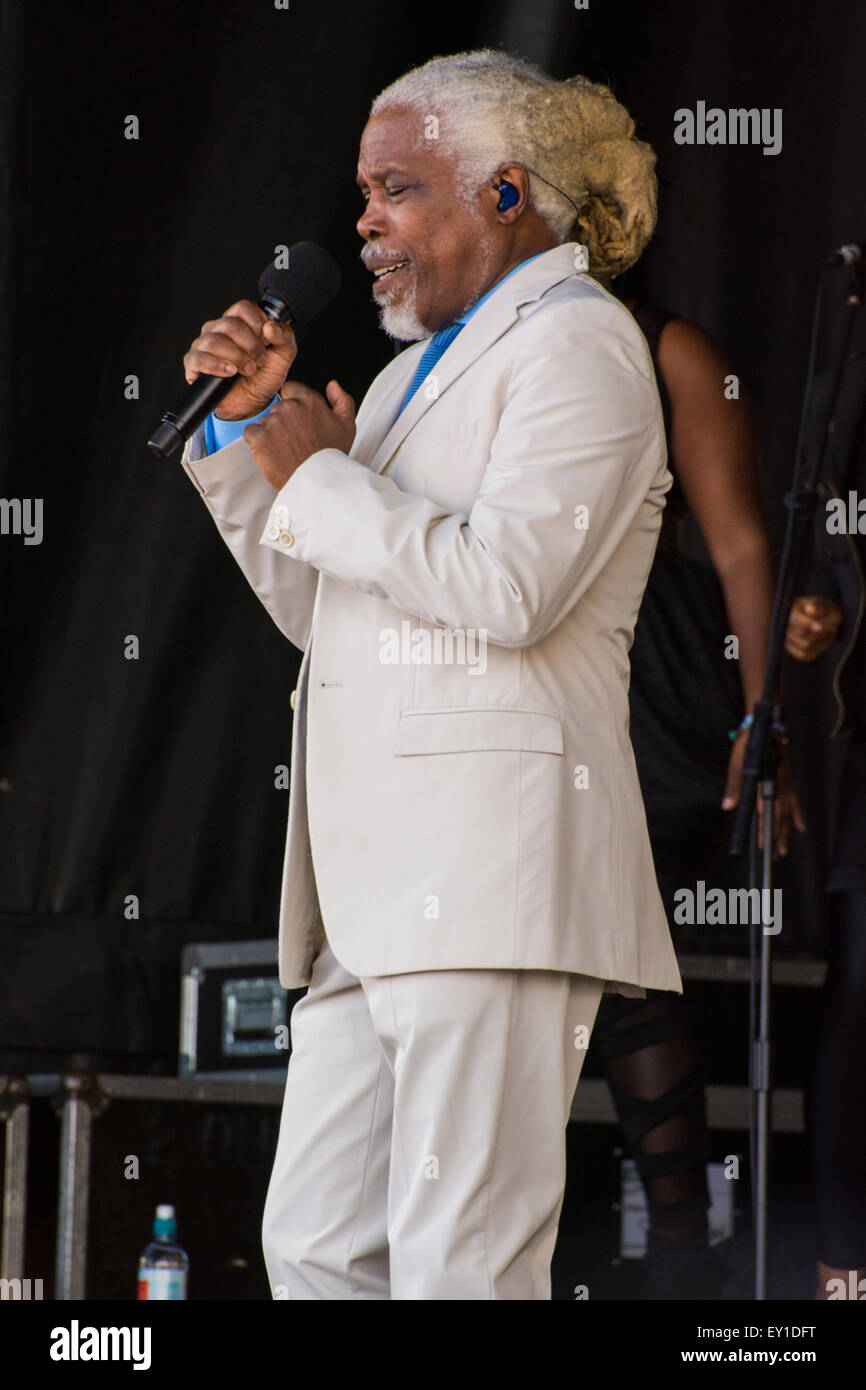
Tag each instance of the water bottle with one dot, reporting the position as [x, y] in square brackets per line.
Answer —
[163, 1266]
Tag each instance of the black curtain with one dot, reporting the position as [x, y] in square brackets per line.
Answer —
[154, 778]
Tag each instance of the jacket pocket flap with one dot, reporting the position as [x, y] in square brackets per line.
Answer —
[473, 730]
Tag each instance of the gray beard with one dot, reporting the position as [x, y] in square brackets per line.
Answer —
[402, 323]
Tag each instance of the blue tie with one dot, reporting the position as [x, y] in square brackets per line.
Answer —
[430, 356]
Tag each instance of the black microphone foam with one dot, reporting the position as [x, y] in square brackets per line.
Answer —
[309, 282]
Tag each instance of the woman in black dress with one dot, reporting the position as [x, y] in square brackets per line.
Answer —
[688, 693]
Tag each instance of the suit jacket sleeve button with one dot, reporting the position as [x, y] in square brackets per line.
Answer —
[286, 538]
[293, 699]
[273, 533]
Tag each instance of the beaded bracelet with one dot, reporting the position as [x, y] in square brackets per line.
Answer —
[746, 723]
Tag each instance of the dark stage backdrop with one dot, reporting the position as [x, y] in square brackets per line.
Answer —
[153, 778]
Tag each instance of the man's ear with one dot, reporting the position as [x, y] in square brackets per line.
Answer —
[510, 202]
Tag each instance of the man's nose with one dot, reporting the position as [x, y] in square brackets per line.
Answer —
[373, 221]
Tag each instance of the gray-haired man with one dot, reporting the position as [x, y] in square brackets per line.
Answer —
[467, 862]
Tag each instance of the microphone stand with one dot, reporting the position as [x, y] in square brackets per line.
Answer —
[763, 752]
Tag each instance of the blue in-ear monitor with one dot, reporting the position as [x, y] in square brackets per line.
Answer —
[508, 196]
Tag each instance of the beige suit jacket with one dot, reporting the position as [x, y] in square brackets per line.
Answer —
[464, 585]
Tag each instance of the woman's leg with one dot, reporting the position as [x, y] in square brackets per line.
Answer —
[655, 1071]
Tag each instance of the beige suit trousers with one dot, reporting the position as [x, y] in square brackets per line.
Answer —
[421, 1152]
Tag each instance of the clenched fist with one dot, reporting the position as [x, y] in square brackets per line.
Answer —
[299, 424]
[247, 344]
[813, 626]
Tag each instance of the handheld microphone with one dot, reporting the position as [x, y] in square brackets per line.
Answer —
[849, 254]
[293, 295]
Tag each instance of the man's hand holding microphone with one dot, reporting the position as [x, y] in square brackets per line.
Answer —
[259, 351]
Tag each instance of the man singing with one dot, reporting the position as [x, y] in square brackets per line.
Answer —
[467, 862]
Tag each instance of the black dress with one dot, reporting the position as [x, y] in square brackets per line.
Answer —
[685, 695]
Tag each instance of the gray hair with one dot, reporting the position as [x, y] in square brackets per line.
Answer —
[590, 179]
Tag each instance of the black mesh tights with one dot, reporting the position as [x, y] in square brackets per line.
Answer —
[655, 1071]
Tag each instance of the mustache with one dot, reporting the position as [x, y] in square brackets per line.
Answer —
[380, 255]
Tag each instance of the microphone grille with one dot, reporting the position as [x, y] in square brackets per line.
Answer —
[305, 285]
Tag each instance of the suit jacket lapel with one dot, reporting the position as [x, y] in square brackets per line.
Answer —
[491, 321]
[382, 402]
